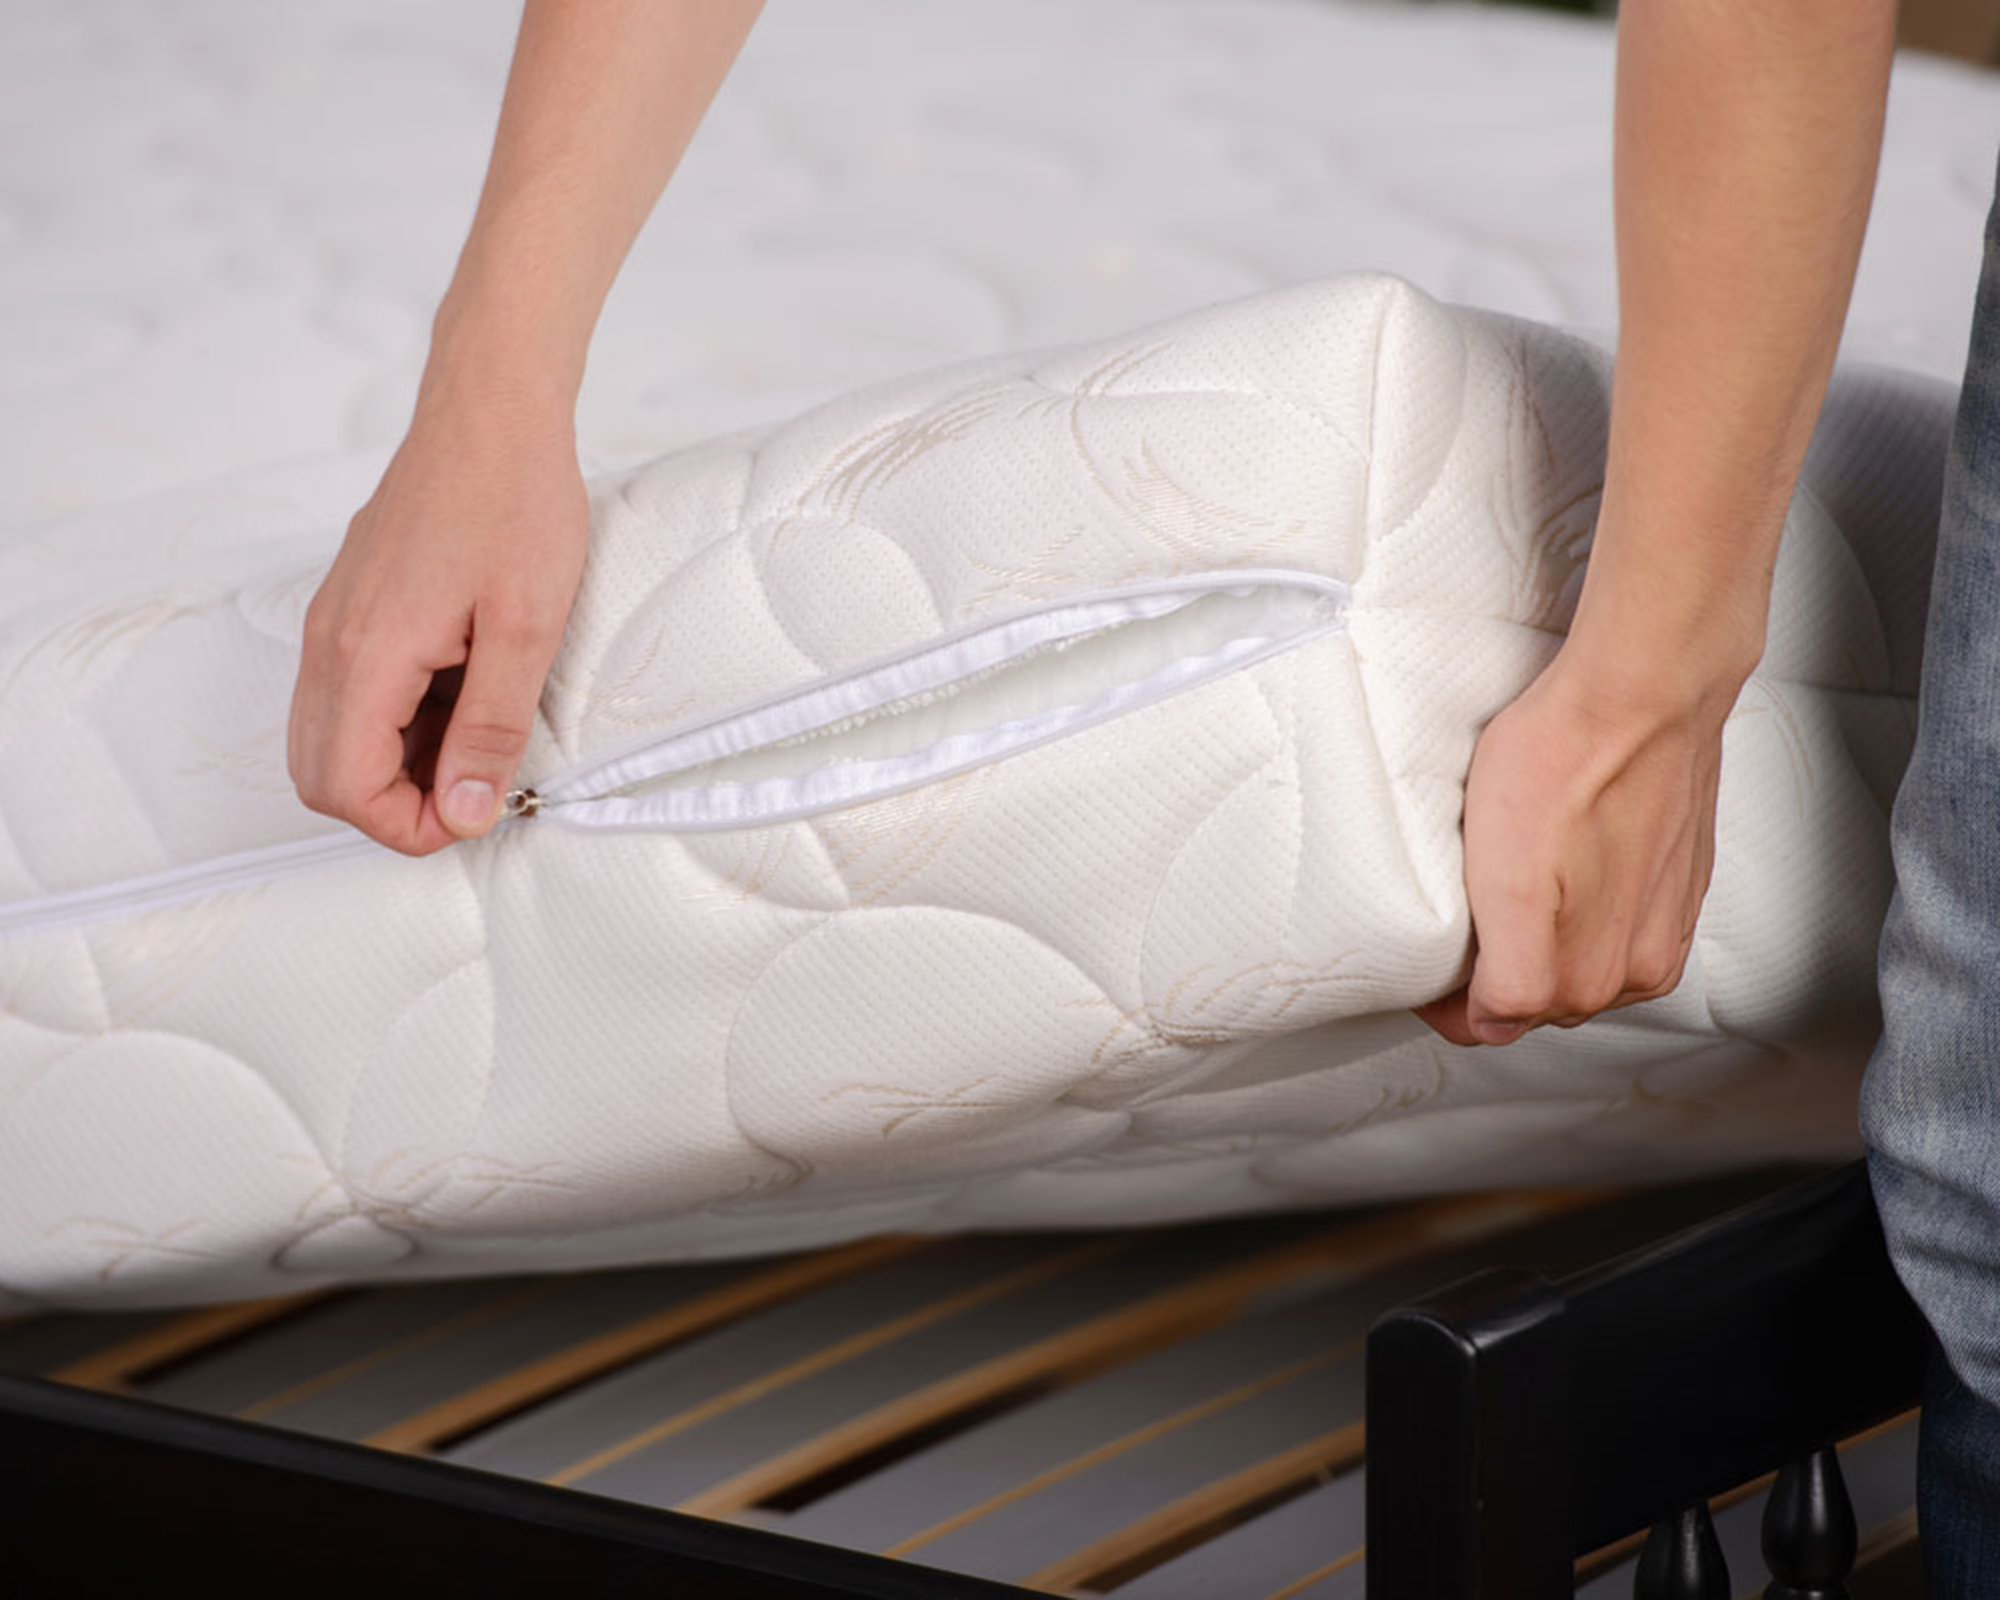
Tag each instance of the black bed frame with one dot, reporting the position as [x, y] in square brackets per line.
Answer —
[1514, 1425]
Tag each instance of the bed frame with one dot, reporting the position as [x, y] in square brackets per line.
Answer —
[1519, 1431]
[1516, 1425]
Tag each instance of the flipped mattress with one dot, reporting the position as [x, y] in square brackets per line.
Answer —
[1022, 793]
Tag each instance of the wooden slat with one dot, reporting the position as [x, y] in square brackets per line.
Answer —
[1096, 1513]
[38, 1346]
[1143, 1324]
[129, 1360]
[1299, 1542]
[1333, 1580]
[1067, 1350]
[1160, 1427]
[833, 1355]
[578, 1422]
[395, 1361]
[1884, 1568]
[1104, 1511]
[969, 1473]
[294, 1357]
[1889, 1565]
[273, 1406]
[722, 1460]
[616, 1347]
[1334, 1450]
[1056, 1435]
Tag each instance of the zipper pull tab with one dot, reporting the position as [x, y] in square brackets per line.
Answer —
[520, 803]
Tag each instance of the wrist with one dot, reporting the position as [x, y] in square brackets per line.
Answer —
[1673, 619]
[1643, 663]
[490, 355]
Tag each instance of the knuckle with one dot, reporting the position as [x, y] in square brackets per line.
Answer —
[488, 735]
[1656, 966]
[1600, 995]
[316, 795]
[347, 642]
[318, 627]
[335, 792]
[337, 801]
[1585, 996]
[1518, 998]
[520, 624]
[1653, 976]
[1515, 880]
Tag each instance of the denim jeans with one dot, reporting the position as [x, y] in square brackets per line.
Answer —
[1930, 1104]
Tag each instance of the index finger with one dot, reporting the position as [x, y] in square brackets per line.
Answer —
[361, 755]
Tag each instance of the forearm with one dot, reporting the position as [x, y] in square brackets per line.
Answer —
[1748, 133]
[602, 99]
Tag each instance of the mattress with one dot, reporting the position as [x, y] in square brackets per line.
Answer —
[1020, 793]
[230, 258]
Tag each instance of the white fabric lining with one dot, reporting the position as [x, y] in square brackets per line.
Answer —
[965, 702]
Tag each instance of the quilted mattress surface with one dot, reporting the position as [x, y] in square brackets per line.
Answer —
[1025, 792]
[232, 259]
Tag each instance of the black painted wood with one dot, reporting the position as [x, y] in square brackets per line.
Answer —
[1881, 1472]
[1658, 1379]
[1732, 1347]
[1683, 1559]
[1810, 1537]
[1467, 1485]
[103, 1494]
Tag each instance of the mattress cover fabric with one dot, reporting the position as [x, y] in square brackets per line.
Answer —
[232, 259]
[1251, 579]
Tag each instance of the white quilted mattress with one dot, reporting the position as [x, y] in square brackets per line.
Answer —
[224, 224]
[1039, 775]
[1025, 792]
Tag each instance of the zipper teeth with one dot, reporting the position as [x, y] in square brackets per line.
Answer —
[780, 799]
[656, 756]
[914, 701]
[550, 791]
[145, 892]
[246, 868]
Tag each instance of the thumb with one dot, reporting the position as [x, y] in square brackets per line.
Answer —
[488, 733]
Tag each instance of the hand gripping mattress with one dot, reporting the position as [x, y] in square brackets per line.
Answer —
[1024, 793]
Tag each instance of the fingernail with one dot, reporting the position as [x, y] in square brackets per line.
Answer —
[470, 803]
[1492, 1031]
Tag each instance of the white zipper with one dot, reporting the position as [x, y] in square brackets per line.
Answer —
[69, 907]
[582, 795]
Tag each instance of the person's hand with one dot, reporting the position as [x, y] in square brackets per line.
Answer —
[428, 641]
[1589, 841]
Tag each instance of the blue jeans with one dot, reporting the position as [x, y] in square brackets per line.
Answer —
[1930, 1104]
